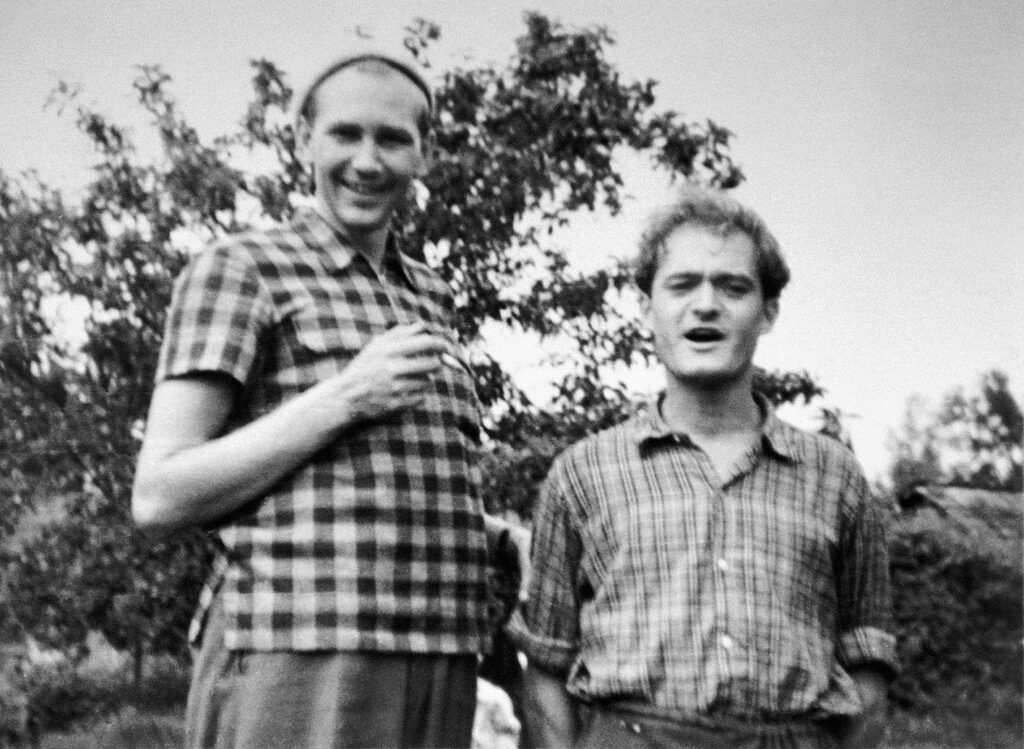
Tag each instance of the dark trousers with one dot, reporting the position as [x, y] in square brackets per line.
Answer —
[293, 700]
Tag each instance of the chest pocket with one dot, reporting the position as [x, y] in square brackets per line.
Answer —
[321, 337]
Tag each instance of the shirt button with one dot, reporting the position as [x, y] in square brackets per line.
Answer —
[726, 642]
[723, 565]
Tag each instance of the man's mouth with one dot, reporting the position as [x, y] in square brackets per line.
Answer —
[373, 188]
[704, 335]
[364, 189]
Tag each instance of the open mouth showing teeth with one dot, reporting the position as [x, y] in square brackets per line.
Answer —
[704, 335]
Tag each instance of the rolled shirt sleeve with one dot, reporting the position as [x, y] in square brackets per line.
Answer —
[863, 585]
[546, 626]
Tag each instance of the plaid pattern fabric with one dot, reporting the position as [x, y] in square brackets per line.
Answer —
[377, 541]
[744, 596]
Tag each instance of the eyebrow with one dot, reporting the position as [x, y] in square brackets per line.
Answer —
[343, 128]
[719, 277]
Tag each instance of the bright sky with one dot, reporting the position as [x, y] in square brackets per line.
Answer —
[883, 142]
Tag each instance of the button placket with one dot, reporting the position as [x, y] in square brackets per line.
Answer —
[724, 640]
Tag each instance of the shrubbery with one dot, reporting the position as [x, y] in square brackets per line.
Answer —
[958, 608]
[61, 695]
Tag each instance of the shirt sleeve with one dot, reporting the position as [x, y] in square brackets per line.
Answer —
[217, 312]
[546, 626]
[864, 588]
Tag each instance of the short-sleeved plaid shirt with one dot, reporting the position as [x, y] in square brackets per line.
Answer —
[377, 541]
[744, 597]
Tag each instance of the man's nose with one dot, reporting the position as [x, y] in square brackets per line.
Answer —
[365, 157]
[705, 299]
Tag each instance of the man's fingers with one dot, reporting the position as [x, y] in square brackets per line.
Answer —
[414, 366]
[412, 343]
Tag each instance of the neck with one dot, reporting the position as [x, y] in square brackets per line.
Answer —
[370, 244]
[711, 412]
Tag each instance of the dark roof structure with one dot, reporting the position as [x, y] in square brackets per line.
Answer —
[988, 521]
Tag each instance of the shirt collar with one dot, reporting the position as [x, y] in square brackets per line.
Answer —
[335, 253]
[776, 436]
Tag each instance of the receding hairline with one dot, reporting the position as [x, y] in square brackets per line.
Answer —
[370, 64]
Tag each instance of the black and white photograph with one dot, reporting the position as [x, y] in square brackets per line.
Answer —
[567, 373]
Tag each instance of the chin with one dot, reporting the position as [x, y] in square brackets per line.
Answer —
[360, 221]
[709, 379]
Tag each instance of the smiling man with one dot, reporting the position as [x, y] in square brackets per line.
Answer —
[705, 575]
[312, 413]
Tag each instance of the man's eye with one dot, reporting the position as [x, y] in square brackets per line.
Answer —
[681, 286]
[735, 288]
[395, 139]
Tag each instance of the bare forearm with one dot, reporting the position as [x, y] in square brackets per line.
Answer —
[549, 716]
[197, 485]
[190, 473]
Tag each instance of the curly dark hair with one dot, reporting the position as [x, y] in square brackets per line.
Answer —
[718, 212]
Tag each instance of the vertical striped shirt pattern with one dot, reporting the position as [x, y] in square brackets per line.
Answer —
[742, 597]
[377, 541]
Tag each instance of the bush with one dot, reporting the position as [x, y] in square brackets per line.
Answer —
[958, 609]
[61, 696]
[57, 695]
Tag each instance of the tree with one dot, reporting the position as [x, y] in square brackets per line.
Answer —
[520, 149]
[915, 449]
[986, 431]
[973, 440]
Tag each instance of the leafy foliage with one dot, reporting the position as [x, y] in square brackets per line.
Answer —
[958, 612]
[60, 696]
[915, 450]
[520, 149]
[974, 439]
[987, 430]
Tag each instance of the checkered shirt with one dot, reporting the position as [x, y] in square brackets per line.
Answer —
[377, 541]
[739, 597]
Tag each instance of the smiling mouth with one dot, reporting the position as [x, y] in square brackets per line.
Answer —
[369, 191]
[704, 335]
[372, 189]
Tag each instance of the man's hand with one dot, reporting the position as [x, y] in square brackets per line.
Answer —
[549, 715]
[392, 372]
[866, 730]
[191, 474]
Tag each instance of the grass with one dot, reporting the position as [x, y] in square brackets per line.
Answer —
[129, 728]
[103, 707]
[947, 727]
[993, 719]
[114, 713]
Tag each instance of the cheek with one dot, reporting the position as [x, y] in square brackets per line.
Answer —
[664, 331]
[408, 168]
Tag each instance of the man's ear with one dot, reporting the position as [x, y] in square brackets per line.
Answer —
[427, 150]
[645, 309]
[771, 313]
[303, 133]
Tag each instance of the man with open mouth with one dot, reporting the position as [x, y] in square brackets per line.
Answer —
[705, 575]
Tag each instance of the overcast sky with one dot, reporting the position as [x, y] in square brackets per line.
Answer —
[883, 142]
